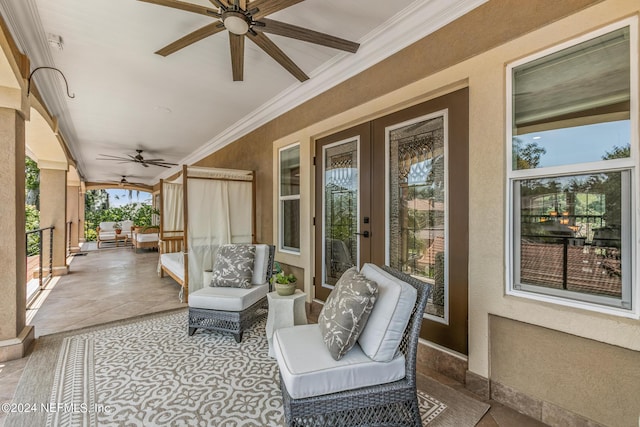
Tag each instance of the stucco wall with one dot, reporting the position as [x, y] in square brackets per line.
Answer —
[497, 33]
[487, 26]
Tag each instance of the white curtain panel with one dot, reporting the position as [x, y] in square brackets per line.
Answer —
[173, 213]
[240, 208]
[219, 212]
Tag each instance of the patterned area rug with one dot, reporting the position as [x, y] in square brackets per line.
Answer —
[149, 372]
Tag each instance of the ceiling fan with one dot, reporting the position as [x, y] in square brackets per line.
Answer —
[137, 159]
[243, 18]
[124, 182]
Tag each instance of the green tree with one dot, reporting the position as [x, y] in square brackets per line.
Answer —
[32, 216]
[618, 153]
[526, 156]
[96, 200]
[97, 210]
[610, 184]
[32, 183]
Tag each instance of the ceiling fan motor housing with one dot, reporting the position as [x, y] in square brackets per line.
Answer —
[236, 22]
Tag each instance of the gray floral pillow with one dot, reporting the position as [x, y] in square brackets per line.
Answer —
[346, 311]
[234, 266]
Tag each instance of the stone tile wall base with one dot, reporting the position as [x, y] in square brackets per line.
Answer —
[477, 384]
[61, 271]
[17, 348]
[537, 409]
[441, 361]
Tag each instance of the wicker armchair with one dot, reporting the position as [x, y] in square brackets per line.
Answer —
[206, 305]
[390, 404]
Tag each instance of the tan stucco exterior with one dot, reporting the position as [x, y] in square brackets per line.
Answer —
[26, 127]
[500, 32]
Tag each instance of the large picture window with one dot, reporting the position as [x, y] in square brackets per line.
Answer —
[572, 143]
[289, 197]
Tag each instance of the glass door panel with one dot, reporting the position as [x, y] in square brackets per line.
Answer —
[340, 209]
[417, 214]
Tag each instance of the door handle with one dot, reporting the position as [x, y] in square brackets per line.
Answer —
[364, 234]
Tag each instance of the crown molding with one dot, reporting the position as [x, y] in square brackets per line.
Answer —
[32, 41]
[413, 23]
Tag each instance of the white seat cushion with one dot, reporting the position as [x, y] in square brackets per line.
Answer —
[308, 369]
[148, 237]
[390, 315]
[174, 262]
[227, 299]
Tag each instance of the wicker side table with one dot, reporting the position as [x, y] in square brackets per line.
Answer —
[284, 311]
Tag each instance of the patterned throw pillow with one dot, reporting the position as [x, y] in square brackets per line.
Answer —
[234, 266]
[346, 311]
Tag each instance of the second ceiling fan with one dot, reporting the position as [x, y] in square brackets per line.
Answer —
[242, 18]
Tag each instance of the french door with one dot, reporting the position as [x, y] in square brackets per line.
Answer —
[395, 191]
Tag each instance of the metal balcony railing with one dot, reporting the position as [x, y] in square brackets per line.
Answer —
[34, 243]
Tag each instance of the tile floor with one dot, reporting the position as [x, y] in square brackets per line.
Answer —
[115, 284]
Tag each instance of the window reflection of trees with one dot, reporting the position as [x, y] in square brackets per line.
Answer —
[417, 222]
[341, 210]
[571, 232]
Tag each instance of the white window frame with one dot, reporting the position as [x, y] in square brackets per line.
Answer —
[630, 164]
[281, 199]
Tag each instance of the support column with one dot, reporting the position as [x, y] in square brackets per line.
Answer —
[15, 335]
[73, 216]
[53, 212]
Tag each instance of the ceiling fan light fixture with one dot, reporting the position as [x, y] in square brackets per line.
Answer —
[235, 22]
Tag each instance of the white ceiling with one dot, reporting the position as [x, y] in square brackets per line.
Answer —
[184, 106]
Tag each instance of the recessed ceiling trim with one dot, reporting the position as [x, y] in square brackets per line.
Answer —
[419, 20]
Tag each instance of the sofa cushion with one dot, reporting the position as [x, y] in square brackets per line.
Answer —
[308, 369]
[234, 266]
[107, 226]
[227, 299]
[260, 265]
[146, 237]
[174, 262]
[389, 318]
[346, 311]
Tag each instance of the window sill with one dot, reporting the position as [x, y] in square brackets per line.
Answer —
[612, 311]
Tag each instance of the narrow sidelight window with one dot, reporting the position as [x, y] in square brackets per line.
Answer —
[289, 196]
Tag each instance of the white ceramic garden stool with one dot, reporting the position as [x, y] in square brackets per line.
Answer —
[285, 311]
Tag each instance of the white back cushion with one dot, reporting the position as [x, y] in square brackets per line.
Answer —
[260, 264]
[107, 226]
[390, 315]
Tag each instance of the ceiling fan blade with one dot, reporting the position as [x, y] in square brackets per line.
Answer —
[110, 157]
[267, 7]
[236, 43]
[281, 58]
[299, 33]
[189, 7]
[163, 163]
[153, 160]
[222, 4]
[191, 38]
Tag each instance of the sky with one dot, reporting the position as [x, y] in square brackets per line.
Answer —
[579, 144]
[120, 197]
